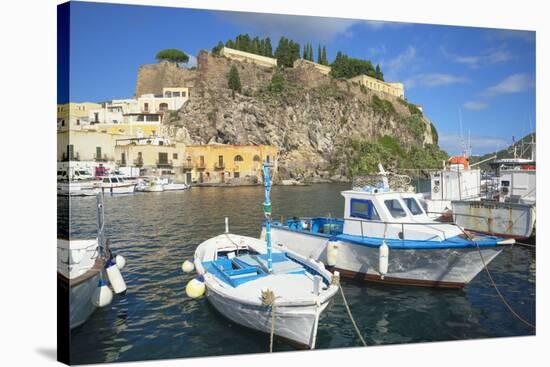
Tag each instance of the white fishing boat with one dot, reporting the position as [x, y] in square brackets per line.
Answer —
[84, 268]
[115, 185]
[154, 184]
[386, 236]
[270, 290]
[170, 185]
[76, 188]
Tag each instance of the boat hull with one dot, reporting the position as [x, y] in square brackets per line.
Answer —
[509, 220]
[295, 324]
[79, 297]
[444, 268]
[121, 189]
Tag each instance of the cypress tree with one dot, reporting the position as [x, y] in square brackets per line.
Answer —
[234, 81]
[268, 48]
[324, 60]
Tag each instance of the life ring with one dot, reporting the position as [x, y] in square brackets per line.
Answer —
[436, 189]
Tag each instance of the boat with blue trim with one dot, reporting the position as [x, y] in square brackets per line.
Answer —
[272, 290]
[386, 236]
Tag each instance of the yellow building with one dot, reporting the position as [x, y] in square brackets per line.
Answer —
[243, 56]
[231, 164]
[135, 129]
[395, 89]
[74, 114]
[155, 156]
[82, 145]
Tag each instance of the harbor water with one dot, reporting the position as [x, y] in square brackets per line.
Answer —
[156, 232]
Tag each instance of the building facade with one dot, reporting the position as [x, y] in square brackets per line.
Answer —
[73, 115]
[243, 56]
[227, 164]
[393, 88]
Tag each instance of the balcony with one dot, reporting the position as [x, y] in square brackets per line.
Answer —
[138, 162]
[219, 166]
[200, 166]
[165, 164]
[187, 166]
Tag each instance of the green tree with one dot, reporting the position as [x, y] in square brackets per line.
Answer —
[172, 55]
[277, 83]
[216, 49]
[268, 48]
[233, 80]
[287, 52]
[346, 67]
[324, 60]
[378, 73]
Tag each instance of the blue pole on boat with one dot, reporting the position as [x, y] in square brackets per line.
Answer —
[267, 214]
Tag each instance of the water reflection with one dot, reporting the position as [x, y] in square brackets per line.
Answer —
[157, 231]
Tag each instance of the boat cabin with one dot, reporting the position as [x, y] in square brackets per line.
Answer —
[378, 213]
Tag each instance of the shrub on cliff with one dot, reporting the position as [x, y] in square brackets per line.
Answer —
[233, 80]
[277, 83]
[382, 106]
[172, 55]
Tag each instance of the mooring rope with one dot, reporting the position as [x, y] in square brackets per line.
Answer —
[268, 299]
[336, 281]
[494, 284]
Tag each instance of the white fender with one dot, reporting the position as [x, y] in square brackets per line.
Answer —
[332, 252]
[195, 288]
[115, 277]
[102, 295]
[187, 266]
[120, 261]
[383, 256]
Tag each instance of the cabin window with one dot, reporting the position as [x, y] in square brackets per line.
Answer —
[506, 183]
[413, 206]
[114, 180]
[395, 208]
[106, 180]
[363, 209]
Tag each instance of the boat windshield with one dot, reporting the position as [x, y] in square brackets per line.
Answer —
[413, 206]
[395, 208]
[363, 209]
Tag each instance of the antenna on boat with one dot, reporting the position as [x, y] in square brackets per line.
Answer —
[267, 214]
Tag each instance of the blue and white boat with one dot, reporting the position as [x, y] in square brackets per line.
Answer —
[386, 236]
[270, 290]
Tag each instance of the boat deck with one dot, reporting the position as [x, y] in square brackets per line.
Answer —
[239, 270]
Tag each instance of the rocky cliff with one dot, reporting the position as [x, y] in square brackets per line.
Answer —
[309, 116]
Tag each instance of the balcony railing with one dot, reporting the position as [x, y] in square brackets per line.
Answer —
[187, 166]
[138, 162]
[201, 165]
[165, 164]
[219, 165]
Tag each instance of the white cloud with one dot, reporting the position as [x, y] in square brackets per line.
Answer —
[431, 80]
[453, 143]
[299, 28]
[476, 61]
[476, 105]
[379, 24]
[392, 68]
[513, 84]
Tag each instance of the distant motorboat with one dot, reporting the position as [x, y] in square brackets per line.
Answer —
[170, 185]
[76, 188]
[116, 185]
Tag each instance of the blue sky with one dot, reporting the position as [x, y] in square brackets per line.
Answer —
[486, 76]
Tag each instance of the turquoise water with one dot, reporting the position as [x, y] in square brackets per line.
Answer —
[156, 232]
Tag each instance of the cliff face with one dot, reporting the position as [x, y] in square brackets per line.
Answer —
[310, 120]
